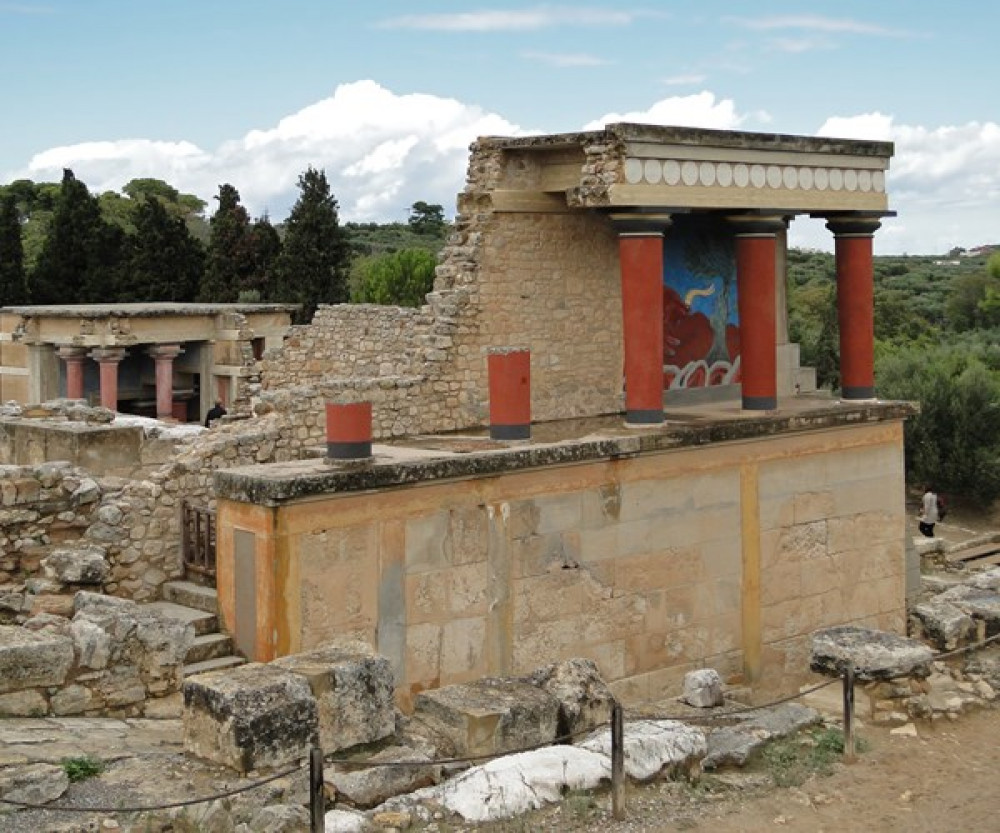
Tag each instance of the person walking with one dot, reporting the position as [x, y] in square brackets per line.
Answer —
[928, 512]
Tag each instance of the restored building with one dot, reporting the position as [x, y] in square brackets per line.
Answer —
[685, 498]
[166, 360]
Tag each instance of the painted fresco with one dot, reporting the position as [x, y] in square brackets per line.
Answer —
[701, 333]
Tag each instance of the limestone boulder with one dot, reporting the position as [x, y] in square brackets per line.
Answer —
[353, 688]
[655, 748]
[255, 716]
[874, 655]
[83, 565]
[703, 688]
[383, 777]
[490, 715]
[943, 624]
[982, 605]
[30, 659]
[33, 783]
[584, 698]
[734, 745]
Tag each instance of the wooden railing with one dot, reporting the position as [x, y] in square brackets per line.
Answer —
[198, 539]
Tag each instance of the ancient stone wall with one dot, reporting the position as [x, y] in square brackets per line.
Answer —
[727, 555]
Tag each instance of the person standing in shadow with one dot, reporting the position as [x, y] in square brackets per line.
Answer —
[214, 413]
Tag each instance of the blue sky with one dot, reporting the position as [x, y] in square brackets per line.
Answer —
[387, 96]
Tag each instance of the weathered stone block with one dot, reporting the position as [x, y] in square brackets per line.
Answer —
[702, 688]
[944, 624]
[251, 717]
[353, 688]
[490, 715]
[29, 659]
[874, 655]
[77, 566]
[33, 783]
[584, 698]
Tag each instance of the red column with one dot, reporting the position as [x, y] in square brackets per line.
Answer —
[855, 303]
[510, 393]
[348, 430]
[163, 356]
[756, 262]
[73, 356]
[108, 359]
[640, 255]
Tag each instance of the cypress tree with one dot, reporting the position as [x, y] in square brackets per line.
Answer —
[165, 261]
[315, 257]
[13, 287]
[227, 266]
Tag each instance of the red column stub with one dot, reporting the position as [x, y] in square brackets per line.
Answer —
[855, 303]
[756, 262]
[510, 393]
[348, 430]
[640, 256]
[108, 358]
[74, 358]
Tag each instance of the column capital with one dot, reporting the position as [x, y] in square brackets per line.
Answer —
[69, 353]
[757, 225]
[855, 223]
[164, 351]
[639, 224]
[107, 354]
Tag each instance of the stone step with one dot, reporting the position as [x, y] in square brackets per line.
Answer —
[189, 594]
[210, 646]
[203, 622]
[216, 664]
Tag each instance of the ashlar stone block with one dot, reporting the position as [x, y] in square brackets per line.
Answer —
[255, 716]
[353, 688]
[490, 716]
[30, 659]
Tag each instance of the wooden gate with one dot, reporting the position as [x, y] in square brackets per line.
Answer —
[198, 540]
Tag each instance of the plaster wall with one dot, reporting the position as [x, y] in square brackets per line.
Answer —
[727, 556]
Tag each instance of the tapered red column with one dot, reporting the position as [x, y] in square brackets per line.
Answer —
[163, 356]
[855, 303]
[509, 371]
[756, 260]
[348, 430]
[108, 358]
[74, 358]
[640, 254]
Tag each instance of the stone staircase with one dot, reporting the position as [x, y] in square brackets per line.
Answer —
[189, 602]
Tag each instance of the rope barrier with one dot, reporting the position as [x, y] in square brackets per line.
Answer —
[469, 759]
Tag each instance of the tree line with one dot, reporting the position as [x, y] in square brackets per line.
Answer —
[60, 244]
[937, 343]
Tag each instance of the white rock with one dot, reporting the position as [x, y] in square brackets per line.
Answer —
[702, 688]
[909, 730]
[344, 821]
[653, 745]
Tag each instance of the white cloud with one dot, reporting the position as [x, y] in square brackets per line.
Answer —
[381, 152]
[699, 110]
[566, 59]
[498, 20]
[817, 23]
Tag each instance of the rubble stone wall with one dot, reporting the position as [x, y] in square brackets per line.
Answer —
[726, 556]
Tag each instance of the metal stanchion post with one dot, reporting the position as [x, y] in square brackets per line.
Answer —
[617, 761]
[849, 748]
[317, 806]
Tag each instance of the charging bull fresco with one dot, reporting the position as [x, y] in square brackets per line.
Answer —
[701, 332]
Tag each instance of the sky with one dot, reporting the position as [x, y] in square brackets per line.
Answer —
[386, 97]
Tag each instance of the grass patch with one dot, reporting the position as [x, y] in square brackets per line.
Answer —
[792, 761]
[81, 768]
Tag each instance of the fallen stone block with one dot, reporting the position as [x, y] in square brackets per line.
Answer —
[983, 605]
[254, 716]
[703, 688]
[85, 565]
[585, 700]
[373, 784]
[656, 747]
[353, 688]
[489, 716]
[874, 655]
[734, 745]
[33, 783]
[944, 624]
[30, 659]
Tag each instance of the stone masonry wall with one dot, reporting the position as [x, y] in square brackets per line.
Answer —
[548, 281]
